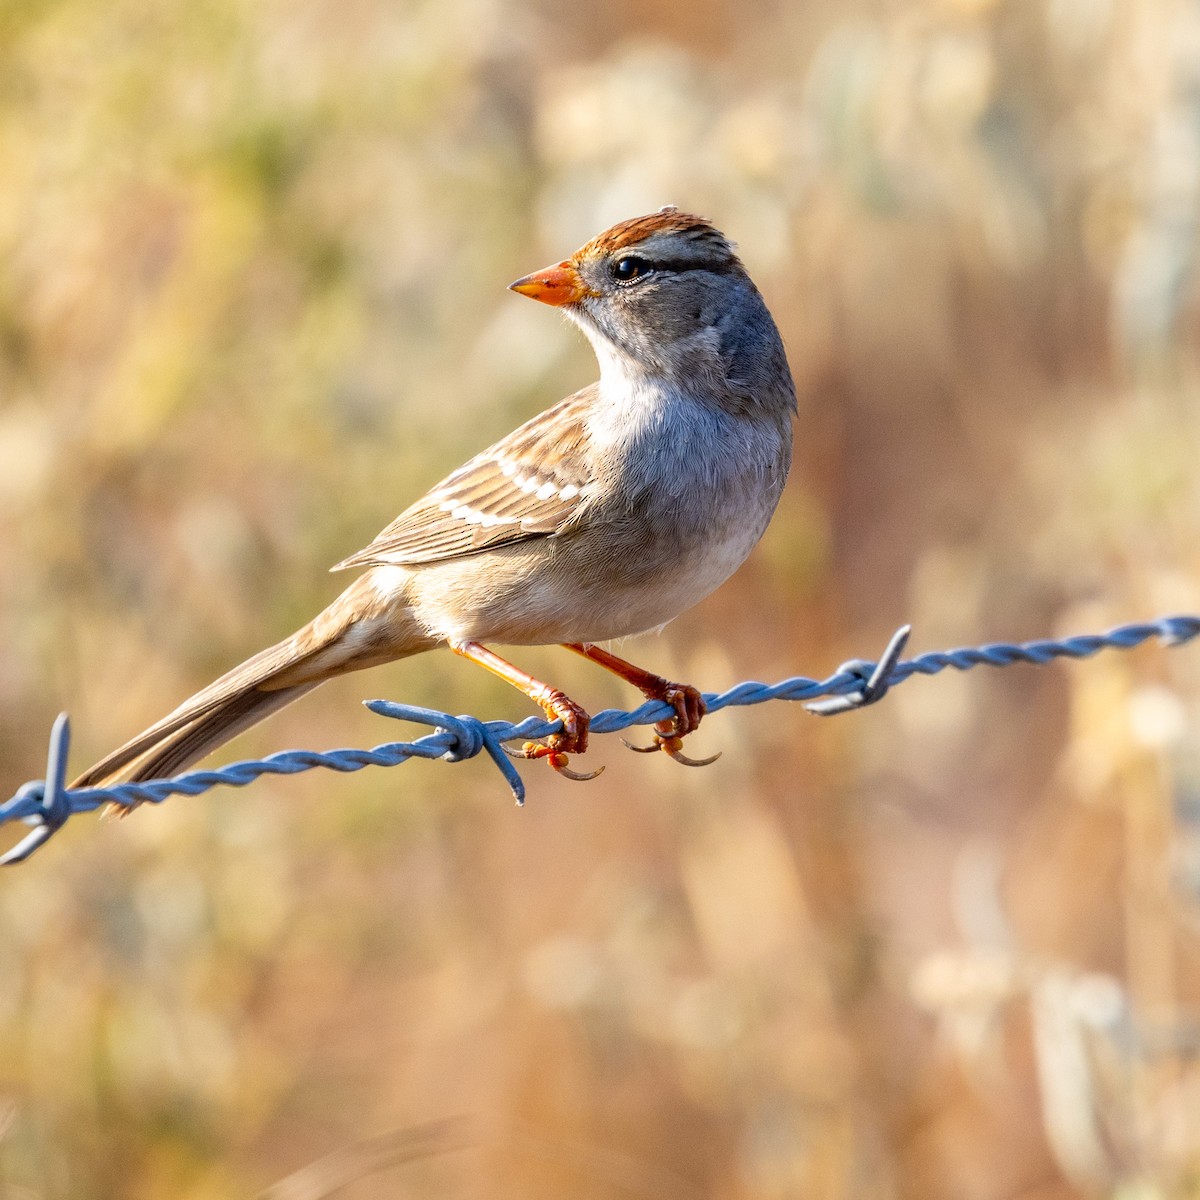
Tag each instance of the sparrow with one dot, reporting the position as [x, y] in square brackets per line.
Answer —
[606, 515]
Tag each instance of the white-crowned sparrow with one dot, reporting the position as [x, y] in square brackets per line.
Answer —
[607, 515]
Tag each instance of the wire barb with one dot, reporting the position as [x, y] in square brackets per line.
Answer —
[48, 804]
[50, 795]
[874, 679]
[470, 736]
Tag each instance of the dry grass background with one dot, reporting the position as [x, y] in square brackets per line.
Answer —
[252, 269]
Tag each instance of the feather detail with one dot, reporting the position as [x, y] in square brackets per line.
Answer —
[528, 485]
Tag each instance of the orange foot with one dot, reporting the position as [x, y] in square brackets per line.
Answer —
[689, 708]
[682, 697]
[573, 739]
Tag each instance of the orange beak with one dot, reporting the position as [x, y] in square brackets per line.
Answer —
[555, 285]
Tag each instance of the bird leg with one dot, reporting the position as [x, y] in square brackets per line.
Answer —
[555, 704]
[686, 700]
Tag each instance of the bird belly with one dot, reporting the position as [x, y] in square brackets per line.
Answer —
[605, 583]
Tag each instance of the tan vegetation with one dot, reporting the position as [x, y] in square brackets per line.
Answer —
[252, 269]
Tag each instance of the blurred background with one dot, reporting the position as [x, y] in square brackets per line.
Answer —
[253, 258]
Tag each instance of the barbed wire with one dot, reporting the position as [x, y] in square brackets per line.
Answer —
[48, 804]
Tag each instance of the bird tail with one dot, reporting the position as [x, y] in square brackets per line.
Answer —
[362, 628]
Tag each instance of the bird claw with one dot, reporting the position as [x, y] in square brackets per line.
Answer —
[558, 760]
[670, 742]
[686, 700]
[674, 747]
[653, 749]
[689, 708]
[573, 738]
[554, 756]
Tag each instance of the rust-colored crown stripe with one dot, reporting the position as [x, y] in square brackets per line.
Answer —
[637, 229]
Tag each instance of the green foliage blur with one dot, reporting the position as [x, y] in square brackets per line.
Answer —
[253, 259]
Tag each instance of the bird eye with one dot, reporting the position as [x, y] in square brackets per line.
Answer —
[626, 270]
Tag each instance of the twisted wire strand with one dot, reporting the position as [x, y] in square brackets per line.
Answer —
[47, 804]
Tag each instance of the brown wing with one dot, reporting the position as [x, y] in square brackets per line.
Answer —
[528, 485]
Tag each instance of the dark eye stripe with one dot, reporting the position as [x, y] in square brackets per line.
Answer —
[674, 266]
[718, 267]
